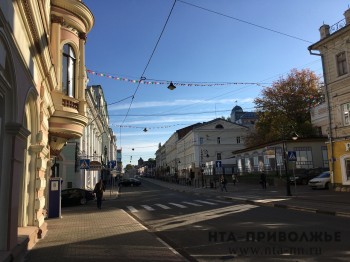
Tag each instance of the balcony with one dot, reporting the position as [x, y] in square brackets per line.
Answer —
[67, 122]
[337, 26]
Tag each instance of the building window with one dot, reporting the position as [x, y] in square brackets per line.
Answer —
[219, 126]
[238, 140]
[347, 168]
[304, 157]
[345, 110]
[247, 164]
[325, 156]
[341, 64]
[218, 156]
[201, 140]
[68, 70]
[240, 165]
[218, 140]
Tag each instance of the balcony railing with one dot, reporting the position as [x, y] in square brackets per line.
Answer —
[337, 26]
[71, 104]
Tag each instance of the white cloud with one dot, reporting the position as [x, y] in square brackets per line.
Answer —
[180, 102]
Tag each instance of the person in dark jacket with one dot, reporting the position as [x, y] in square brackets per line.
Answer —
[98, 190]
[223, 182]
[263, 180]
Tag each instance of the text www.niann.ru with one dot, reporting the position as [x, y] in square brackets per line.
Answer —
[275, 251]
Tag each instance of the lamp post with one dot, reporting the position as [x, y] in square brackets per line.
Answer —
[285, 156]
[203, 151]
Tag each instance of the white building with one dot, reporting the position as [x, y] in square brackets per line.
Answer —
[187, 151]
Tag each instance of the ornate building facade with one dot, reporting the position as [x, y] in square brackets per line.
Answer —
[42, 105]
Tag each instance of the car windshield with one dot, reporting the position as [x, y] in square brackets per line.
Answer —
[323, 175]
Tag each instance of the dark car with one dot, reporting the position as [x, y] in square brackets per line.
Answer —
[76, 196]
[130, 182]
[303, 176]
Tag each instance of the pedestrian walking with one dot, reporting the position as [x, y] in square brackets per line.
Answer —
[263, 180]
[119, 191]
[234, 179]
[223, 182]
[98, 190]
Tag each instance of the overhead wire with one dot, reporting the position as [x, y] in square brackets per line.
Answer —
[149, 61]
[246, 22]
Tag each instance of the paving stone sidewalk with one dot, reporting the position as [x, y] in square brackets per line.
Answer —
[85, 233]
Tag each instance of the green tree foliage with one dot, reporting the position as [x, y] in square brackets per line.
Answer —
[128, 167]
[285, 107]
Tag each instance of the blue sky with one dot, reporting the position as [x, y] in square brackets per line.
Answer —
[206, 41]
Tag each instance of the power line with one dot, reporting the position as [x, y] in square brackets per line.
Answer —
[246, 22]
[149, 60]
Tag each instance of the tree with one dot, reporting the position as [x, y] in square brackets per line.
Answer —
[128, 167]
[285, 107]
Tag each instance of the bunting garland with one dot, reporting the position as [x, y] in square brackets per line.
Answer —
[144, 81]
[139, 127]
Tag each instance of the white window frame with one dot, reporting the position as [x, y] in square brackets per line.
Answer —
[345, 172]
[345, 114]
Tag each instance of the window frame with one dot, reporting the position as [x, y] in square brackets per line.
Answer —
[68, 70]
[341, 62]
[345, 109]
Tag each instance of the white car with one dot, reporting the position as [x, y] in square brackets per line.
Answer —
[321, 181]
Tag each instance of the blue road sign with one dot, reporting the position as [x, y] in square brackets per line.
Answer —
[292, 156]
[218, 163]
[112, 163]
[84, 163]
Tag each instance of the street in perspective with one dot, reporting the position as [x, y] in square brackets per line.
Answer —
[174, 130]
[166, 221]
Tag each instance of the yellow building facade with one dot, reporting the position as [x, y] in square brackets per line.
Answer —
[334, 50]
[42, 105]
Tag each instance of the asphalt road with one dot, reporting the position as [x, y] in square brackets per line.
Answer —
[204, 228]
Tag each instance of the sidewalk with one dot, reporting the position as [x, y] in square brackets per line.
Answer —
[85, 233]
[303, 198]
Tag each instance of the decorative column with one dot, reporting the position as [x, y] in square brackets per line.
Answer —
[82, 74]
[57, 23]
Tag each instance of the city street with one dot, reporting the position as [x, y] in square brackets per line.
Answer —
[207, 228]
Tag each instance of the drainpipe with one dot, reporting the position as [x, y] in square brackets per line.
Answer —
[330, 135]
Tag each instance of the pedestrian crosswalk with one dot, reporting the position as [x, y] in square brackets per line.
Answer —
[182, 204]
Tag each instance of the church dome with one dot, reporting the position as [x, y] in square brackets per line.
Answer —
[237, 109]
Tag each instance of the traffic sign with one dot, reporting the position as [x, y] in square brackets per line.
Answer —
[84, 163]
[292, 156]
[218, 163]
[112, 163]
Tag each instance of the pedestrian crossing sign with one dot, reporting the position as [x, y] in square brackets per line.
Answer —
[84, 163]
[292, 156]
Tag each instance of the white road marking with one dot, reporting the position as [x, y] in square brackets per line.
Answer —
[192, 204]
[162, 206]
[205, 202]
[220, 201]
[178, 205]
[148, 207]
[132, 209]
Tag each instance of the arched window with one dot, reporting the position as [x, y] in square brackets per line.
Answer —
[68, 71]
[219, 126]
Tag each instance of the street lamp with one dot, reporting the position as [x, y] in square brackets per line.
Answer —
[171, 86]
[203, 151]
[294, 137]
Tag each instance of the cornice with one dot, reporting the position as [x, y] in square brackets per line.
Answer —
[78, 9]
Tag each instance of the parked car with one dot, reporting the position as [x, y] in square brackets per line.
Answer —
[130, 182]
[321, 181]
[303, 176]
[76, 196]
